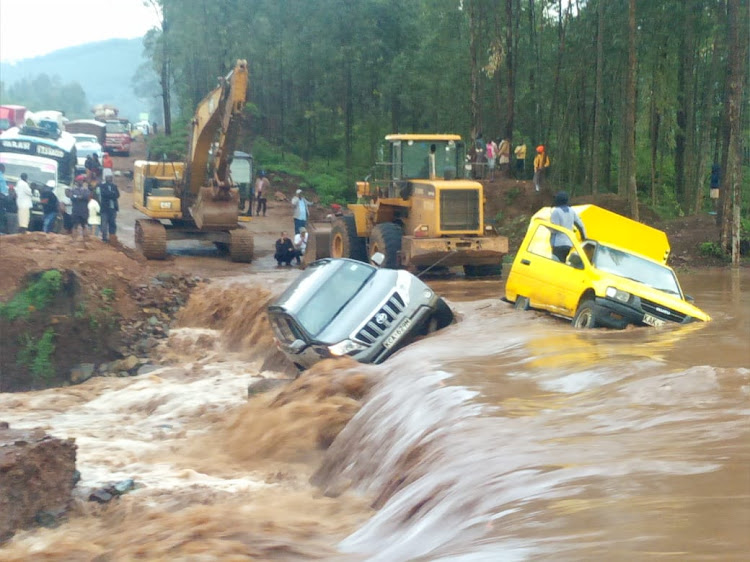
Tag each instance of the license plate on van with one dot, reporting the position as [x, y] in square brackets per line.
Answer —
[397, 333]
[652, 320]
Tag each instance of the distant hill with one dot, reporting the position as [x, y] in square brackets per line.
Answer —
[104, 69]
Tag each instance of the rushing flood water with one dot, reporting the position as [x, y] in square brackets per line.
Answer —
[508, 436]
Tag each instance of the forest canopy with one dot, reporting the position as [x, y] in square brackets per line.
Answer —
[629, 96]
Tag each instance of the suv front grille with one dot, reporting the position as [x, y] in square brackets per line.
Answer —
[381, 320]
[662, 311]
[459, 209]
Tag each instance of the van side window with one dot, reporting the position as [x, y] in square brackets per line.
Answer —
[541, 241]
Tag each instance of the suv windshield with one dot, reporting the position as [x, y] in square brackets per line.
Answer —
[332, 296]
[636, 268]
[115, 127]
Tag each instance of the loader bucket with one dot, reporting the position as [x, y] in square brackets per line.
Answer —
[215, 210]
[318, 245]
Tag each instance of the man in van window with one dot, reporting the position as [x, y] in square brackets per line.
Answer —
[565, 216]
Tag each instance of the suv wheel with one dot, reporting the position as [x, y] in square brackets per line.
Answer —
[386, 239]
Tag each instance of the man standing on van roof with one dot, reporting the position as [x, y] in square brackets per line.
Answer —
[565, 216]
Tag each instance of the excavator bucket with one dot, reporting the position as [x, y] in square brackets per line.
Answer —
[215, 211]
[318, 244]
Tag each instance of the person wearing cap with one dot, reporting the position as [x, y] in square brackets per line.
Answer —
[565, 216]
[262, 186]
[80, 215]
[301, 210]
[541, 163]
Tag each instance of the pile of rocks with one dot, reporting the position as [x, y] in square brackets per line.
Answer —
[159, 300]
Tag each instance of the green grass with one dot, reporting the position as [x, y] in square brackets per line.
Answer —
[37, 355]
[36, 296]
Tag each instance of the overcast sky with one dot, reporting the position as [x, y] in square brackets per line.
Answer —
[29, 28]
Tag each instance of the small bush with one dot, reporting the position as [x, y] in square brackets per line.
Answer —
[37, 355]
[713, 250]
[36, 296]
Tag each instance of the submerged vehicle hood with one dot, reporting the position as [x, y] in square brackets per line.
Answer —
[368, 301]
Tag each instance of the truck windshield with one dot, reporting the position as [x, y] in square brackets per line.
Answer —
[416, 158]
[115, 127]
[333, 296]
[40, 174]
[636, 268]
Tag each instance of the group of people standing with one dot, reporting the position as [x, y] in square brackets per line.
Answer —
[87, 206]
[497, 156]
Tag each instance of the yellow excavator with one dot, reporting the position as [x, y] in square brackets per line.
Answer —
[196, 199]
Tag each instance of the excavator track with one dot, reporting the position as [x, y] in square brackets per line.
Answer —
[151, 239]
[242, 245]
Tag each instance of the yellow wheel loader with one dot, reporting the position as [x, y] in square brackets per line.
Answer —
[418, 210]
[196, 198]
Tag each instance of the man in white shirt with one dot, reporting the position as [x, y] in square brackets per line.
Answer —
[300, 204]
[300, 242]
[24, 201]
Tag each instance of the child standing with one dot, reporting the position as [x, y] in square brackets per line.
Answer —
[95, 218]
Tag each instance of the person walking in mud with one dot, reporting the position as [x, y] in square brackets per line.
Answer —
[262, 187]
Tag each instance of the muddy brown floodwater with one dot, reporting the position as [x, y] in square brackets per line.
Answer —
[507, 436]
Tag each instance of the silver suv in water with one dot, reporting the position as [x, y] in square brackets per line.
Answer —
[342, 307]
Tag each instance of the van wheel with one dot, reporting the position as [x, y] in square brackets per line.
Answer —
[386, 239]
[344, 240]
[522, 303]
[587, 315]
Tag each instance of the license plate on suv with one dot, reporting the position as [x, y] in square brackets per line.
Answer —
[397, 333]
[652, 320]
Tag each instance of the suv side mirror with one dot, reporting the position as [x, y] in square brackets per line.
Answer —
[297, 345]
[377, 259]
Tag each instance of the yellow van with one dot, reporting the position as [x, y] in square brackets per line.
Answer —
[617, 276]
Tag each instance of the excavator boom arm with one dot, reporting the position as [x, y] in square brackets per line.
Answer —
[218, 112]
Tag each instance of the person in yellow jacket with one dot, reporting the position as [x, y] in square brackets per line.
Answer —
[520, 153]
[541, 163]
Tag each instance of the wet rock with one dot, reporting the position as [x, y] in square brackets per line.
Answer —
[123, 486]
[264, 385]
[146, 369]
[36, 476]
[81, 373]
[127, 364]
[100, 496]
[48, 519]
[153, 321]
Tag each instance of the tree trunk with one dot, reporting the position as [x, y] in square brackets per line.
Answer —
[684, 135]
[164, 75]
[474, 65]
[511, 33]
[632, 188]
[732, 181]
[597, 97]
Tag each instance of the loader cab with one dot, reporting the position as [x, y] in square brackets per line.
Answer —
[425, 157]
[156, 188]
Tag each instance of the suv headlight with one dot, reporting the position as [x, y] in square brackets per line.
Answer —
[617, 294]
[345, 347]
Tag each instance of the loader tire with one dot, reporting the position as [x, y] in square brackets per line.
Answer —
[386, 239]
[151, 239]
[344, 240]
[483, 270]
[242, 245]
